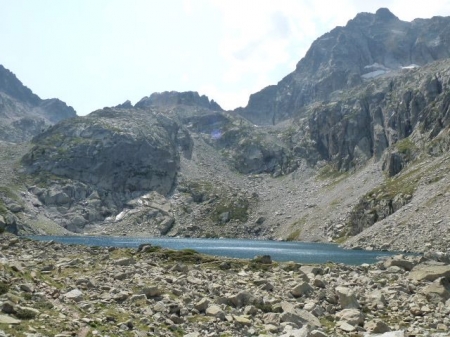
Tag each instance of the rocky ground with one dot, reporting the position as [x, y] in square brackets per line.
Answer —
[50, 289]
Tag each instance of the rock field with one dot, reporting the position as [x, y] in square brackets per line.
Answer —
[50, 289]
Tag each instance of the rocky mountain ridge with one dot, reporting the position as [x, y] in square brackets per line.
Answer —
[367, 153]
[369, 45]
[22, 113]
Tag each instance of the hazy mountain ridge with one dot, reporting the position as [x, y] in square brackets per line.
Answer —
[359, 137]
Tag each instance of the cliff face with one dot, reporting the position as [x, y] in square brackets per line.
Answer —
[22, 113]
[369, 46]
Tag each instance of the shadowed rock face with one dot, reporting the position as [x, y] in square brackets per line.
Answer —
[370, 45]
[112, 149]
[22, 113]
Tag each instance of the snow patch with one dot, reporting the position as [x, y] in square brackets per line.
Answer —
[411, 66]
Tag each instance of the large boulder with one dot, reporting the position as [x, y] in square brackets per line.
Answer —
[424, 272]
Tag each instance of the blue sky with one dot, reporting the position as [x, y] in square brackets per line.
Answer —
[97, 53]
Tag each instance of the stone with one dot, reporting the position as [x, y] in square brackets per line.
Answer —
[399, 333]
[351, 316]
[301, 289]
[215, 311]
[9, 320]
[8, 307]
[376, 327]
[202, 305]
[376, 297]
[315, 270]
[438, 291]
[124, 262]
[242, 299]
[263, 259]
[302, 332]
[243, 320]
[345, 326]
[399, 261]
[347, 298]
[74, 295]
[160, 307]
[423, 272]
[300, 318]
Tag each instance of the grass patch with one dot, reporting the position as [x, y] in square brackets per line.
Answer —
[340, 240]
[294, 235]
[328, 172]
[237, 208]
[4, 288]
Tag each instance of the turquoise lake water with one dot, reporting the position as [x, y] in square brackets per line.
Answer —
[300, 252]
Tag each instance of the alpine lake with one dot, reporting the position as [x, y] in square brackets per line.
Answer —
[300, 252]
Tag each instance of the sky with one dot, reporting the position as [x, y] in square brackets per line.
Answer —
[97, 53]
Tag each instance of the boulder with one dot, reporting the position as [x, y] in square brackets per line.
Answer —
[215, 311]
[297, 316]
[152, 291]
[351, 316]
[376, 327]
[301, 289]
[423, 272]
[74, 295]
[347, 298]
[438, 291]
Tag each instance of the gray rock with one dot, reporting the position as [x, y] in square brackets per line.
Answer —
[351, 316]
[74, 295]
[424, 272]
[376, 327]
[124, 261]
[347, 298]
[215, 311]
[152, 291]
[202, 305]
[438, 291]
[301, 289]
[8, 320]
[298, 316]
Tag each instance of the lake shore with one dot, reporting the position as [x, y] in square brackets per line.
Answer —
[51, 289]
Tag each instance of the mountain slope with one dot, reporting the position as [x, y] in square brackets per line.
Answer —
[22, 113]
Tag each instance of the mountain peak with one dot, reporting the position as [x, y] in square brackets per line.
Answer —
[171, 98]
[384, 14]
[11, 85]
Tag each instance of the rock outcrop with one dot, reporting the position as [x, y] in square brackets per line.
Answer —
[91, 167]
[174, 98]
